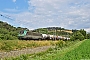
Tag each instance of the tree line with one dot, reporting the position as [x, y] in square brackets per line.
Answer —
[8, 32]
[80, 35]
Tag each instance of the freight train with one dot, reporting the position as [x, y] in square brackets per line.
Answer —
[29, 35]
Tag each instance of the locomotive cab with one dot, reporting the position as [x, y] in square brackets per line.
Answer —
[28, 35]
[21, 34]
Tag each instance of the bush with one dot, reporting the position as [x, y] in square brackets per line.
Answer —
[77, 36]
[60, 43]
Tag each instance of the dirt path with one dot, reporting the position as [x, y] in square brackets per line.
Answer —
[25, 51]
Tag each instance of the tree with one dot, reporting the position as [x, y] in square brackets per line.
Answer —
[83, 32]
[8, 32]
[88, 36]
[77, 36]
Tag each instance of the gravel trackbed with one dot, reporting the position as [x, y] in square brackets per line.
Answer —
[24, 51]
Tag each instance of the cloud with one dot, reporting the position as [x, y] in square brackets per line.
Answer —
[14, 0]
[71, 14]
[64, 13]
[87, 30]
[11, 10]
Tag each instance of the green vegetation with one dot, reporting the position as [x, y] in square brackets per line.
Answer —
[88, 35]
[83, 32]
[64, 50]
[76, 50]
[52, 53]
[7, 35]
[8, 32]
[9, 45]
[54, 30]
[60, 44]
[79, 35]
[81, 52]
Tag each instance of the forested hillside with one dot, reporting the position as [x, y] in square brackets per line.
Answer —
[8, 32]
[54, 31]
[58, 31]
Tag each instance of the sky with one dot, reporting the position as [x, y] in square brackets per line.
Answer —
[33, 14]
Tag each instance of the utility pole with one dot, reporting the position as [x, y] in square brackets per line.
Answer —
[55, 33]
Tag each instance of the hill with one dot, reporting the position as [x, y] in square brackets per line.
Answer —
[8, 32]
[54, 31]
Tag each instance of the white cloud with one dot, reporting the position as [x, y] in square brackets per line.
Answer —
[73, 14]
[12, 10]
[87, 30]
[61, 13]
[14, 0]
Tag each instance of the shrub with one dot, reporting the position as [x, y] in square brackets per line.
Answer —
[60, 43]
[77, 36]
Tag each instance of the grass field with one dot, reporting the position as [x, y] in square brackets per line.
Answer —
[80, 53]
[8, 45]
[77, 50]
[56, 54]
[51, 54]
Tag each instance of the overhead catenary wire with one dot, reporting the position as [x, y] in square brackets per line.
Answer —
[11, 19]
[8, 17]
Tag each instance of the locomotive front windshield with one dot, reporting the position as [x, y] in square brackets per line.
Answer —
[21, 32]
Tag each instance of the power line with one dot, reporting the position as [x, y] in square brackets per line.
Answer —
[8, 17]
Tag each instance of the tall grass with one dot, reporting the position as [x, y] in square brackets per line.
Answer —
[57, 53]
[8, 45]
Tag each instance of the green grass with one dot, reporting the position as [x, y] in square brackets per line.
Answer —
[82, 52]
[9, 45]
[51, 54]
